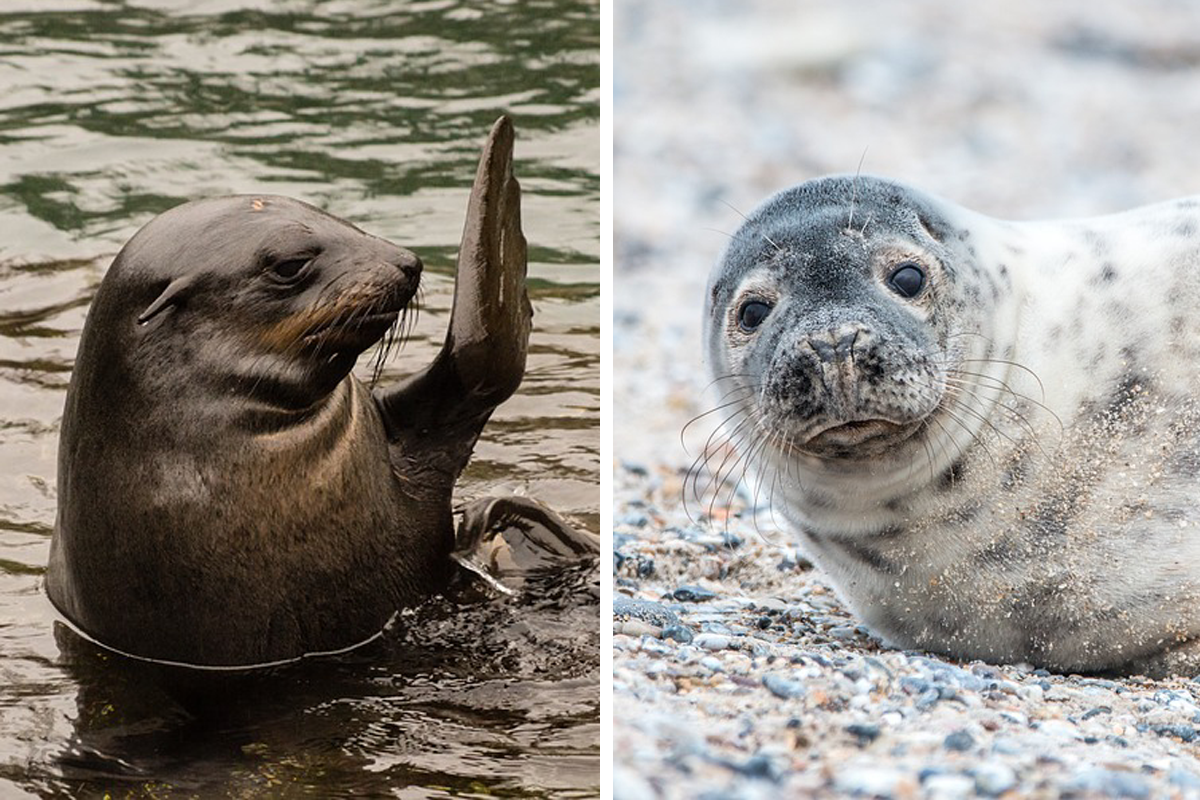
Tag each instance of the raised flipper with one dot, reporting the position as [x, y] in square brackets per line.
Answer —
[436, 415]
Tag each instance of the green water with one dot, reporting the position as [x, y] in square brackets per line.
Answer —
[111, 112]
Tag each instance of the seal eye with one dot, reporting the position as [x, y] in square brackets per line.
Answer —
[289, 269]
[751, 314]
[907, 280]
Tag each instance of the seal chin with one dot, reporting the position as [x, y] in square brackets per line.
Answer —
[860, 438]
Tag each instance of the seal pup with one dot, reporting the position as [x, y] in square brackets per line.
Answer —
[985, 433]
[228, 493]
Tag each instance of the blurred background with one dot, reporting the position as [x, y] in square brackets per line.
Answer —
[112, 111]
[1017, 110]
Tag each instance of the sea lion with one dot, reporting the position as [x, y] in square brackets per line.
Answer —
[985, 433]
[228, 493]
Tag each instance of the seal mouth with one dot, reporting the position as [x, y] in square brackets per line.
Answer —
[859, 438]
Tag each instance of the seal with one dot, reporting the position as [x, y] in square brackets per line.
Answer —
[228, 493]
[985, 433]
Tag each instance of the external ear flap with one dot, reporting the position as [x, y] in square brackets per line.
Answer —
[169, 297]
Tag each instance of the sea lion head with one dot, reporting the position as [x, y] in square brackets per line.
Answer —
[837, 318]
[262, 297]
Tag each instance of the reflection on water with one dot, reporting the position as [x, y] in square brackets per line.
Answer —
[111, 112]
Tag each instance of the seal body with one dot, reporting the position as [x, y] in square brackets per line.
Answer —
[228, 493]
[986, 433]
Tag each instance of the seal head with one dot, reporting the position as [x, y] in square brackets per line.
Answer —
[837, 314]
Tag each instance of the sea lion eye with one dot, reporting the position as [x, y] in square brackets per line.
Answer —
[289, 268]
[907, 280]
[751, 314]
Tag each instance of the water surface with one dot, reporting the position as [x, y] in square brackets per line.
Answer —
[111, 112]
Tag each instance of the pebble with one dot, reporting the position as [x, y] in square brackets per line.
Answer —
[1183, 778]
[693, 594]
[712, 641]
[959, 741]
[869, 781]
[782, 687]
[948, 786]
[864, 732]
[1108, 783]
[994, 778]
[678, 633]
[641, 617]
[1059, 729]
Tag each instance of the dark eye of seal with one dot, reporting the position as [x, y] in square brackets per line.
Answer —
[907, 280]
[751, 314]
[290, 268]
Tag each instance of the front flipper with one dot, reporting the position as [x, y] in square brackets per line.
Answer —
[435, 416]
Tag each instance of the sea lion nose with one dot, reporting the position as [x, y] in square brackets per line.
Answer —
[408, 263]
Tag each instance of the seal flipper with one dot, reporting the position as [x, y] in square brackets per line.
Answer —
[435, 416]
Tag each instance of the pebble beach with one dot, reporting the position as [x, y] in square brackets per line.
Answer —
[737, 671]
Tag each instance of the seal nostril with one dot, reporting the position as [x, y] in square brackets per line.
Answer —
[409, 264]
[825, 351]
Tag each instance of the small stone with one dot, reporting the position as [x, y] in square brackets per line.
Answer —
[712, 641]
[641, 617]
[758, 765]
[913, 685]
[693, 594]
[869, 781]
[634, 519]
[1059, 729]
[678, 633]
[1091, 712]
[712, 664]
[1185, 732]
[960, 741]
[1183, 778]
[994, 778]
[1108, 782]
[1032, 693]
[844, 633]
[864, 732]
[927, 699]
[783, 688]
[948, 785]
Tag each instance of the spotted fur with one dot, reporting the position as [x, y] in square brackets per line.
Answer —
[1003, 466]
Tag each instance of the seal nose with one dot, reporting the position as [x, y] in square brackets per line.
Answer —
[833, 345]
[408, 263]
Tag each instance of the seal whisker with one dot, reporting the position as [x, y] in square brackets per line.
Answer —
[704, 460]
[701, 464]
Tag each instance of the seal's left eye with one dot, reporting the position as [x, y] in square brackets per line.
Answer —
[907, 280]
[290, 268]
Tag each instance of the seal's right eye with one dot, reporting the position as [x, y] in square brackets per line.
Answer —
[290, 268]
[751, 314]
